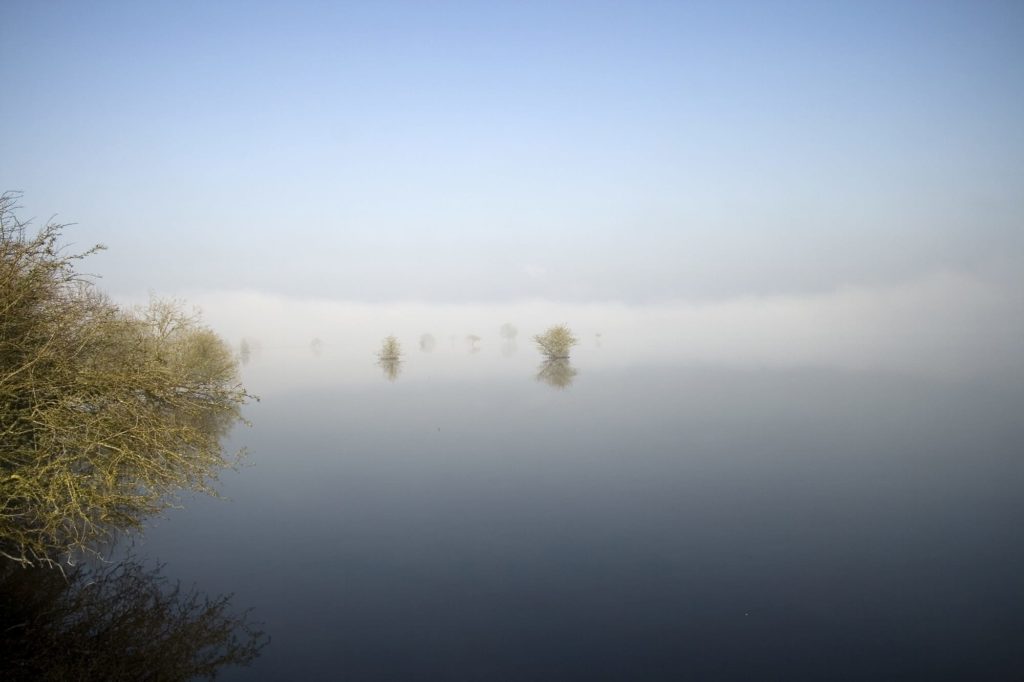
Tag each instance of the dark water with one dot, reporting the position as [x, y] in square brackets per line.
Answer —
[654, 524]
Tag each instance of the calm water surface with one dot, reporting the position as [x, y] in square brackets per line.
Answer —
[653, 522]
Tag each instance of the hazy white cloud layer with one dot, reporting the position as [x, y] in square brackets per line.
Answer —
[946, 326]
[456, 152]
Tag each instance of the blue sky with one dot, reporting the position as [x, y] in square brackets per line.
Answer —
[497, 151]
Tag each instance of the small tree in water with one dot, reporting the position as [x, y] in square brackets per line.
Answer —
[244, 352]
[390, 349]
[556, 342]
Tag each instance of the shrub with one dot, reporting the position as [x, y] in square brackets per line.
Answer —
[556, 341]
[390, 349]
[106, 415]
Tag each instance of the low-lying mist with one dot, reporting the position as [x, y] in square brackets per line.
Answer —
[952, 326]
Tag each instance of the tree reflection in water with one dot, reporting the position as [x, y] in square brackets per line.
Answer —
[557, 372]
[116, 622]
[392, 367]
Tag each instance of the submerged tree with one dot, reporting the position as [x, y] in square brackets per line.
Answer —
[390, 349]
[390, 358]
[106, 414]
[427, 343]
[556, 342]
[244, 352]
[115, 622]
[508, 333]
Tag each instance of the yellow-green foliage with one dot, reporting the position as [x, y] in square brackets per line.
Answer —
[556, 341]
[390, 349]
[105, 414]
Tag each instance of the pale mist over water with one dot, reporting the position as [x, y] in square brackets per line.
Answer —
[949, 326]
[801, 488]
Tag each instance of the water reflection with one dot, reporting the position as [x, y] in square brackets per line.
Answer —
[427, 343]
[244, 352]
[116, 622]
[392, 367]
[557, 372]
[509, 348]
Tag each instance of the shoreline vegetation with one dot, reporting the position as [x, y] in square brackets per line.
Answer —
[107, 417]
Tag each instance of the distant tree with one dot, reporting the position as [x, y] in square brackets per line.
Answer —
[106, 414]
[390, 349]
[474, 342]
[244, 352]
[508, 331]
[556, 342]
[115, 622]
[427, 343]
[316, 346]
[390, 358]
